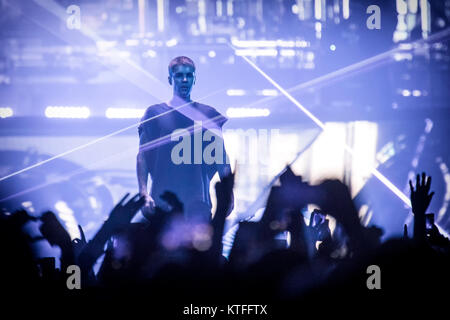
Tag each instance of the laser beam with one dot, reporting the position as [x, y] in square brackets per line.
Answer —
[317, 121]
[97, 140]
[144, 147]
[356, 67]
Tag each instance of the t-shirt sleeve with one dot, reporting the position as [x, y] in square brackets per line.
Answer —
[148, 129]
[219, 118]
[213, 114]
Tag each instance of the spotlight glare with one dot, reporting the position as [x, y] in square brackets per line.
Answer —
[6, 112]
[92, 142]
[269, 92]
[287, 53]
[131, 42]
[124, 113]
[247, 112]
[104, 45]
[172, 42]
[257, 52]
[235, 92]
[149, 54]
[67, 112]
[374, 171]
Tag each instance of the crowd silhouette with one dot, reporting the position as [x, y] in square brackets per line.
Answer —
[169, 260]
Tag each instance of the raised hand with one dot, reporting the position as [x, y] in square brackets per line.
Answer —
[338, 203]
[119, 218]
[225, 199]
[53, 231]
[224, 193]
[55, 234]
[148, 207]
[318, 229]
[122, 213]
[173, 201]
[301, 240]
[289, 179]
[420, 200]
[421, 196]
[293, 192]
[79, 243]
[292, 195]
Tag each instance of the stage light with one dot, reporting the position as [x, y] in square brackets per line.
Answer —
[287, 53]
[28, 205]
[171, 43]
[440, 22]
[268, 43]
[149, 54]
[413, 5]
[302, 44]
[230, 10]
[236, 92]
[219, 9]
[416, 93]
[211, 53]
[257, 52]
[402, 56]
[406, 93]
[346, 9]
[405, 46]
[310, 56]
[425, 18]
[332, 47]
[285, 43]
[66, 214]
[115, 54]
[160, 15]
[105, 45]
[402, 7]
[316, 120]
[318, 27]
[6, 112]
[386, 153]
[124, 113]
[318, 9]
[102, 138]
[131, 42]
[269, 92]
[247, 112]
[67, 112]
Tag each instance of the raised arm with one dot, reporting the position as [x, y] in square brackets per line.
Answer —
[420, 200]
[224, 170]
[143, 177]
